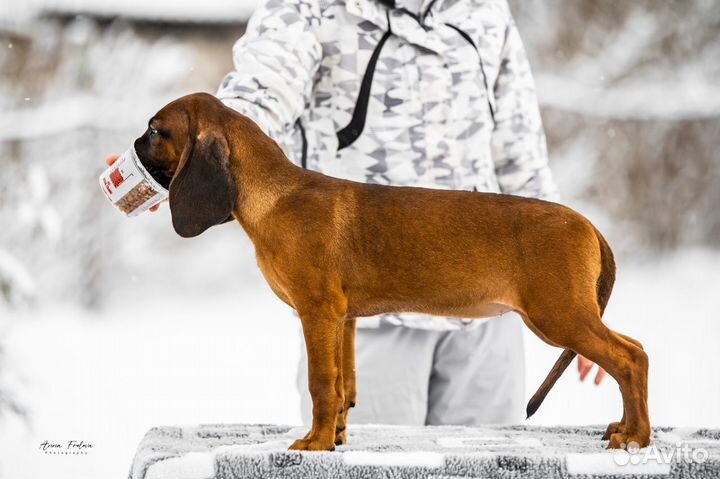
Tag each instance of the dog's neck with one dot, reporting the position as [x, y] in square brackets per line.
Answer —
[262, 172]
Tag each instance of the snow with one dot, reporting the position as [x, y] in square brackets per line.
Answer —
[627, 59]
[16, 282]
[108, 379]
[618, 80]
[640, 100]
[72, 113]
[158, 357]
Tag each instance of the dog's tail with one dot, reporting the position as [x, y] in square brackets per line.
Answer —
[605, 283]
[560, 365]
[606, 280]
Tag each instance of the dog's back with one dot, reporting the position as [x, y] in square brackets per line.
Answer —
[452, 253]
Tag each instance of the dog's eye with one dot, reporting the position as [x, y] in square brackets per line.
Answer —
[152, 132]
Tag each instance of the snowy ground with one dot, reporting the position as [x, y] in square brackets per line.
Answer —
[231, 358]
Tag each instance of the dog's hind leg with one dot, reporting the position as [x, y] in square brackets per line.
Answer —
[348, 380]
[322, 327]
[619, 426]
[582, 331]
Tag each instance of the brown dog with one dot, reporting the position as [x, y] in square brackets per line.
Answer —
[335, 250]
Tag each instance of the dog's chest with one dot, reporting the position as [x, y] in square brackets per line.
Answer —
[275, 279]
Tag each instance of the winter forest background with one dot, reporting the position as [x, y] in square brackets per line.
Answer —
[109, 326]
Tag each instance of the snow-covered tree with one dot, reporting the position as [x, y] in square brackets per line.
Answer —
[630, 93]
[17, 288]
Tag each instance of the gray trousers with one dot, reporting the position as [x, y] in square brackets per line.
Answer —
[421, 377]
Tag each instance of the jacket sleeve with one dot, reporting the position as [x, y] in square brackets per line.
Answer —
[274, 65]
[518, 143]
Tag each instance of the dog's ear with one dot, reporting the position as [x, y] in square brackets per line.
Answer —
[202, 192]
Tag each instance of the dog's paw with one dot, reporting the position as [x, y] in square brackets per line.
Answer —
[311, 445]
[341, 438]
[621, 440]
[612, 428]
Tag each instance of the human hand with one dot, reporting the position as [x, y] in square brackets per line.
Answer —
[584, 368]
[110, 159]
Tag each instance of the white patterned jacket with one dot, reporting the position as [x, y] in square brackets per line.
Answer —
[369, 91]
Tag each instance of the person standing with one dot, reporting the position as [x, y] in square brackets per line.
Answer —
[428, 93]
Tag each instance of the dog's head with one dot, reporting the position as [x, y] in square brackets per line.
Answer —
[185, 149]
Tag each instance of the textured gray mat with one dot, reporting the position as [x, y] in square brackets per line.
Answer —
[260, 451]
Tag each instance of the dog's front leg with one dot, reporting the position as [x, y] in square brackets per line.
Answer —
[322, 328]
[348, 383]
